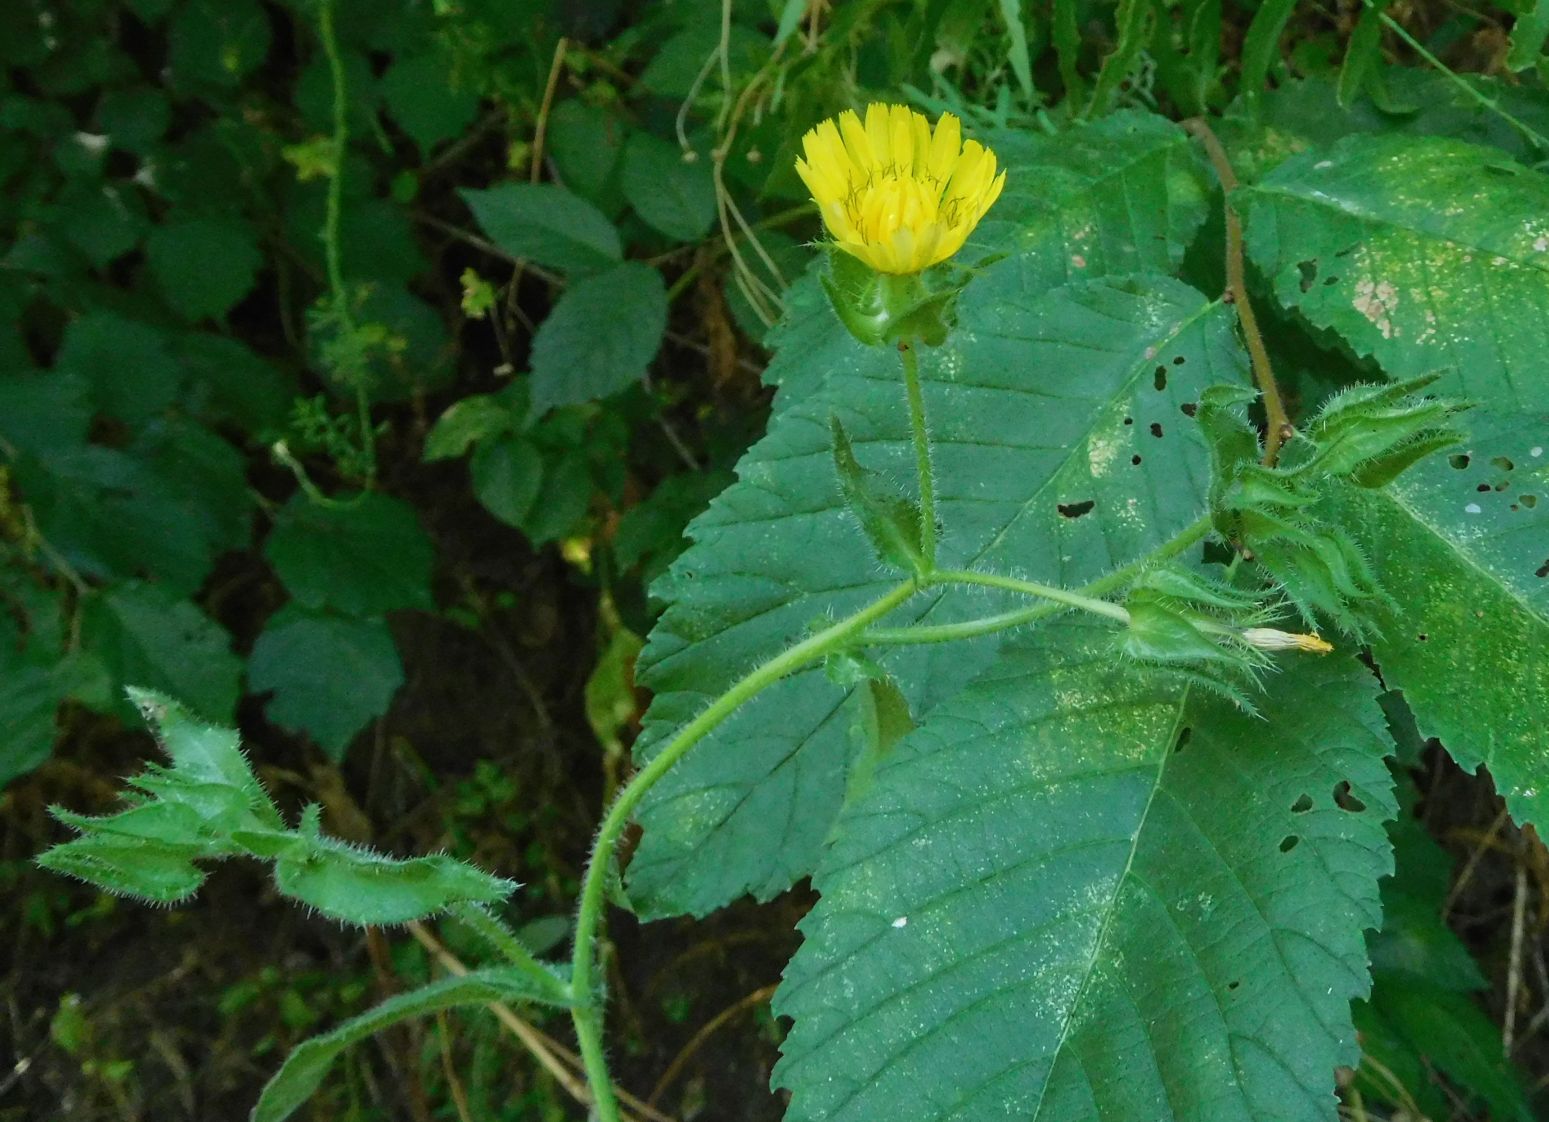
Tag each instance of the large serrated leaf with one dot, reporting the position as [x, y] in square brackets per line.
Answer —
[1042, 408]
[1461, 542]
[1072, 896]
[1425, 254]
[1462, 546]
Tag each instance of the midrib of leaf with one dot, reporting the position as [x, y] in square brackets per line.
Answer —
[944, 899]
[1112, 907]
[1467, 557]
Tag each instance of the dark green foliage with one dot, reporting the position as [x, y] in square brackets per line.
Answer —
[266, 266]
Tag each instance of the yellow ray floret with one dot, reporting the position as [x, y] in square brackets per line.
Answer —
[894, 193]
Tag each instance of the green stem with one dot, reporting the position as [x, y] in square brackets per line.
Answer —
[1033, 588]
[987, 625]
[333, 251]
[922, 465]
[587, 1010]
[484, 923]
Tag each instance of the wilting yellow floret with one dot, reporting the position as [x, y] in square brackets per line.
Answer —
[894, 193]
[1269, 639]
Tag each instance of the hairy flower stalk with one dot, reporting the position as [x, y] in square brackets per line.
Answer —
[893, 192]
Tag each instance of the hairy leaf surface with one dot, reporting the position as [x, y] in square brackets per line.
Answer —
[1071, 895]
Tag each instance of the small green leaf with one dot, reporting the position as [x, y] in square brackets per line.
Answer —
[1016, 29]
[467, 422]
[29, 699]
[507, 476]
[135, 118]
[1527, 36]
[882, 719]
[128, 364]
[204, 266]
[1362, 53]
[204, 752]
[306, 1067]
[163, 509]
[674, 195]
[1420, 1017]
[585, 143]
[151, 638]
[650, 534]
[175, 814]
[547, 225]
[1261, 46]
[330, 675]
[216, 43]
[856, 297]
[356, 885]
[1436, 1028]
[423, 95]
[600, 337]
[365, 556]
[160, 874]
[230, 384]
[538, 480]
[41, 413]
[791, 12]
[890, 521]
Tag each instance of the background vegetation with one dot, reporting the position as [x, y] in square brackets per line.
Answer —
[360, 365]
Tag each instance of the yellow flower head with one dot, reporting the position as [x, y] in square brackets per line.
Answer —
[893, 192]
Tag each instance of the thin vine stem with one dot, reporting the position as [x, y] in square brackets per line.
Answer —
[333, 251]
[1277, 422]
[586, 1011]
[922, 464]
[1487, 103]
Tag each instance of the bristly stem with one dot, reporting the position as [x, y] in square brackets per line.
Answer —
[1277, 423]
[1033, 588]
[922, 464]
[1002, 621]
[484, 923]
[587, 1010]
